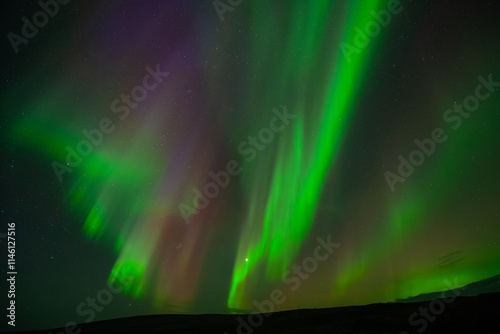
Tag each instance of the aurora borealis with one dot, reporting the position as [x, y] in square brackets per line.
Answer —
[167, 96]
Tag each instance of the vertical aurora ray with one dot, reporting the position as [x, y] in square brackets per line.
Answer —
[297, 178]
[125, 193]
[402, 245]
[322, 175]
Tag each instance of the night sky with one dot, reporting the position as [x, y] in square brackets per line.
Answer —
[201, 154]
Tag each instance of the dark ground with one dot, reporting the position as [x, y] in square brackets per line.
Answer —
[478, 314]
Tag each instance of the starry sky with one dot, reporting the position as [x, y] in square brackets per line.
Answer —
[160, 96]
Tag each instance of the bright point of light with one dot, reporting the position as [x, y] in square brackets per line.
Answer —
[246, 259]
